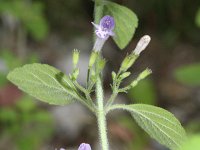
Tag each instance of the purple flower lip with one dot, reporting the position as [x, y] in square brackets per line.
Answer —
[105, 28]
[107, 23]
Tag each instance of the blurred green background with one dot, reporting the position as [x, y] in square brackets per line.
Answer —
[47, 31]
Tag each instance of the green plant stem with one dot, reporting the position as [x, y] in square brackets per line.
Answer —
[100, 113]
[90, 107]
[112, 97]
[125, 89]
[101, 116]
[116, 84]
[113, 107]
[87, 94]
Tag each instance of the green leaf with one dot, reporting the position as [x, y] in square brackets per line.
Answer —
[45, 83]
[189, 74]
[125, 20]
[158, 123]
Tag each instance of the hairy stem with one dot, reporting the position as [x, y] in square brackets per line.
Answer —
[101, 116]
[115, 88]
[87, 94]
[112, 98]
[100, 112]
[116, 106]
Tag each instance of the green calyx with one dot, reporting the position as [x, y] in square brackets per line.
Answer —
[128, 62]
[93, 58]
[141, 76]
[75, 57]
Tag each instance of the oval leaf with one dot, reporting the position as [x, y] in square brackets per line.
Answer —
[158, 123]
[126, 22]
[189, 74]
[45, 83]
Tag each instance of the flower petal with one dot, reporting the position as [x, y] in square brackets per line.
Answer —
[84, 146]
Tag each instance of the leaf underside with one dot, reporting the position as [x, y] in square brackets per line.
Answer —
[45, 83]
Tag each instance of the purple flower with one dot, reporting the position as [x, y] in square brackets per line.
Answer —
[107, 23]
[84, 146]
[103, 31]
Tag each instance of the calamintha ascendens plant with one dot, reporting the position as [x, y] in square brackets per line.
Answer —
[54, 87]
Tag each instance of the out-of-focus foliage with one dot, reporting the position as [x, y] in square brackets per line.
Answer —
[126, 22]
[140, 139]
[197, 19]
[189, 74]
[193, 140]
[171, 20]
[69, 18]
[192, 143]
[144, 92]
[9, 61]
[25, 124]
[29, 14]
[193, 127]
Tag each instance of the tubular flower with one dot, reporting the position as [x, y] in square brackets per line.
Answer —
[103, 30]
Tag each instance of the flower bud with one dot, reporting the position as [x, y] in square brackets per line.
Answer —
[142, 44]
[128, 62]
[124, 75]
[101, 64]
[75, 57]
[93, 58]
[145, 73]
[113, 75]
[141, 76]
[93, 76]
